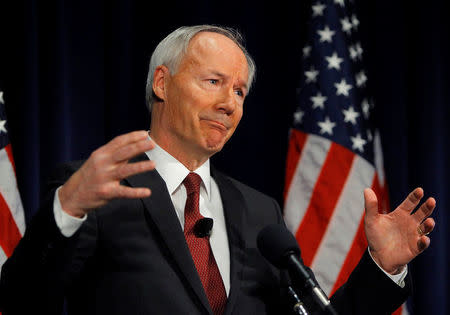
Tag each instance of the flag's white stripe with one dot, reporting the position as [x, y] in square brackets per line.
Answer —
[404, 309]
[9, 191]
[378, 157]
[2, 259]
[343, 225]
[304, 179]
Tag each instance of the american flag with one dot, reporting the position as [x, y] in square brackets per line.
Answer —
[12, 221]
[334, 147]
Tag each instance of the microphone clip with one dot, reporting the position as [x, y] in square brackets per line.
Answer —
[203, 227]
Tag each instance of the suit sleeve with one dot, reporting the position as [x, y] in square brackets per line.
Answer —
[369, 291]
[42, 265]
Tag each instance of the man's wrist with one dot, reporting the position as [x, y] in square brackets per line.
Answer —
[64, 202]
[66, 223]
[399, 277]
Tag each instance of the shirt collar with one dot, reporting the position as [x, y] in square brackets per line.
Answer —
[173, 172]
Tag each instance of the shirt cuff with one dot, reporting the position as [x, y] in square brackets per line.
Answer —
[66, 223]
[399, 279]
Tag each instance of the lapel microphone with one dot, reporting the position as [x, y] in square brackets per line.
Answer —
[203, 227]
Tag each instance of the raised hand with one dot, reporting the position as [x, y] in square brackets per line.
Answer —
[397, 237]
[98, 179]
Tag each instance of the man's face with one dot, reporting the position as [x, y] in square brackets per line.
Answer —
[204, 99]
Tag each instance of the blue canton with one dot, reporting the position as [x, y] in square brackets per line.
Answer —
[332, 97]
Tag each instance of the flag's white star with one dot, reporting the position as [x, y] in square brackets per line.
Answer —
[1, 98]
[334, 61]
[306, 51]
[318, 100]
[346, 25]
[2, 126]
[342, 88]
[326, 126]
[365, 108]
[298, 116]
[361, 78]
[350, 115]
[355, 22]
[326, 34]
[359, 50]
[353, 52]
[318, 9]
[340, 2]
[311, 75]
[358, 143]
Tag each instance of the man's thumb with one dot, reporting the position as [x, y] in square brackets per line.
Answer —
[370, 202]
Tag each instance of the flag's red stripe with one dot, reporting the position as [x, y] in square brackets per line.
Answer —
[8, 149]
[9, 233]
[297, 141]
[326, 193]
[398, 311]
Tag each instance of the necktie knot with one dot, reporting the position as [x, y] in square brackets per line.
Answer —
[192, 183]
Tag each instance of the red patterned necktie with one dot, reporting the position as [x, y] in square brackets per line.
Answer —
[200, 249]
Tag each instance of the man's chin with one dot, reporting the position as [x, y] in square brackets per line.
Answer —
[215, 141]
[214, 147]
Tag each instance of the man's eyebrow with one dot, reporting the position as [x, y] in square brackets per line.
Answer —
[222, 75]
[219, 74]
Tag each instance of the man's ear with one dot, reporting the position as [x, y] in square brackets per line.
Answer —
[159, 81]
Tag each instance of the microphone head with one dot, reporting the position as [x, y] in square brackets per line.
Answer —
[203, 227]
[276, 243]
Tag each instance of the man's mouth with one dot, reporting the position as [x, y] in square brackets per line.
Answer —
[222, 126]
[218, 125]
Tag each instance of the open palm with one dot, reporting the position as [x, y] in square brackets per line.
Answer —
[397, 237]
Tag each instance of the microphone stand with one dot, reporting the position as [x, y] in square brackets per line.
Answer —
[298, 307]
[298, 271]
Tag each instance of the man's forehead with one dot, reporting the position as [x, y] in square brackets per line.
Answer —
[214, 45]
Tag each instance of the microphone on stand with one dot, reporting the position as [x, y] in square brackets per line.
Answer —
[280, 248]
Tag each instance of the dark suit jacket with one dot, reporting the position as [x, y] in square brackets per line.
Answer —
[130, 257]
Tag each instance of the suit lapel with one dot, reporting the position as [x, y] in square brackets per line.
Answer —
[234, 208]
[162, 215]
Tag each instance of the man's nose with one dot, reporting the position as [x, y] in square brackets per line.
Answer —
[227, 102]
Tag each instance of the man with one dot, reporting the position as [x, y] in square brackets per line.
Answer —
[114, 237]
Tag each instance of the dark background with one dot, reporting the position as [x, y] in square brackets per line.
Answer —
[74, 76]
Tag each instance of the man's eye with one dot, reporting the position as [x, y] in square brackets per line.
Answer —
[213, 81]
[239, 92]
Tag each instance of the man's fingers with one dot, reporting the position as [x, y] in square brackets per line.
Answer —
[130, 169]
[125, 139]
[425, 210]
[423, 243]
[130, 150]
[427, 226]
[131, 193]
[412, 200]
[370, 202]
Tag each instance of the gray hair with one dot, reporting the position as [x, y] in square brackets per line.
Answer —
[171, 50]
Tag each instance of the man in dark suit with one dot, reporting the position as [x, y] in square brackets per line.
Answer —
[119, 233]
